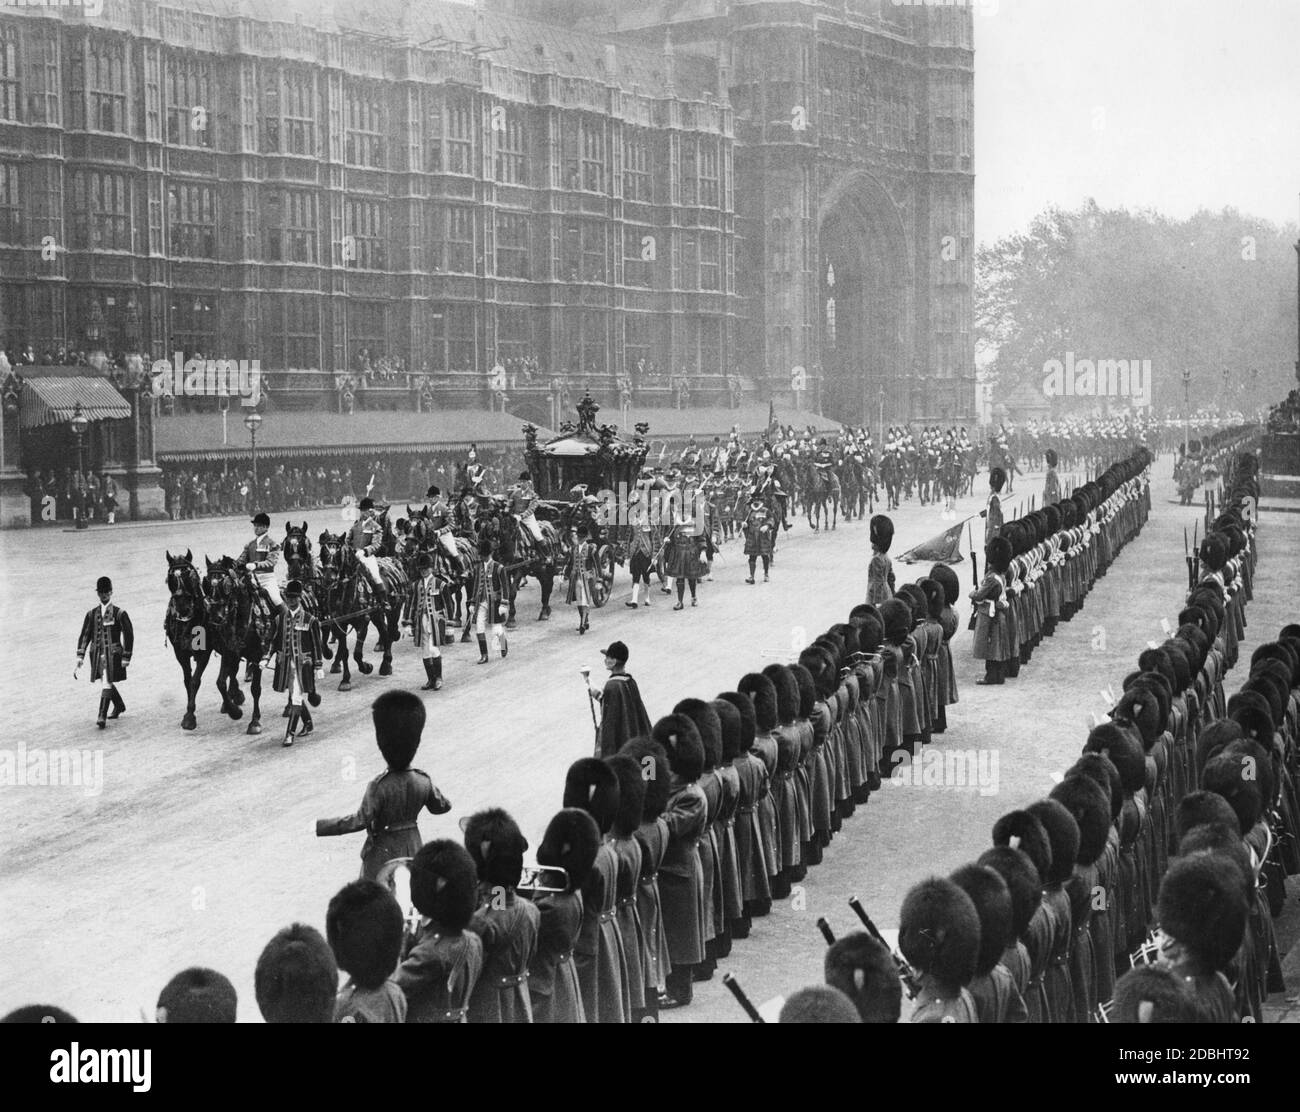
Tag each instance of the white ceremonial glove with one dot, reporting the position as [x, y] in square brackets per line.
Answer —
[250, 567]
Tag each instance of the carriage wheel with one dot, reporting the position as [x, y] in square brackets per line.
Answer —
[604, 575]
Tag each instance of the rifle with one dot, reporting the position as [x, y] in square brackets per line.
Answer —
[827, 933]
[739, 993]
[906, 974]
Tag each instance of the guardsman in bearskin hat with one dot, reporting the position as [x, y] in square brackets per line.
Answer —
[367, 537]
[758, 539]
[1051, 484]
[364, 928]
[444, 961]
[681, 877]
[570, 843]
[997, 999]
[1152, 994]
[296, 644]
[592, 786]
[880, 572]
[394, 799]
[992, 514]
[429, 621]
[490, 603]
[939, 935]
[652, 837]
[1202, 913]
[106, 632]
[627, 820]
[506, 922]
[863, 969]
[260, 555]
[992, 643]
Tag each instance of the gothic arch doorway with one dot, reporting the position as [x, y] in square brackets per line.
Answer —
[863, 305]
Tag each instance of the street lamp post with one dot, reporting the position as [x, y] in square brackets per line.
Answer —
[252, 420]
[1187, 407]
[79, 423]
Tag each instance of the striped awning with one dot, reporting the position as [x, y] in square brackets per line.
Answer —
[52, 401]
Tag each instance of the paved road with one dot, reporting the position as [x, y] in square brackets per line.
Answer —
[201, 844]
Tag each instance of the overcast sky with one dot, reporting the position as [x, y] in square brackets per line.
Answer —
[1175, 105]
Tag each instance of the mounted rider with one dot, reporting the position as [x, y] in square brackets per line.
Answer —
[523, 500]
[260, 555]
[768, 489]
[367, 539]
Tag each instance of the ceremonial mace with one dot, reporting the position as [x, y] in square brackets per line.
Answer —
[591, 703]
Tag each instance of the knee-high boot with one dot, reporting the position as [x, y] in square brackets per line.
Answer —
[482, 648]
[104, 698]
[289, 728]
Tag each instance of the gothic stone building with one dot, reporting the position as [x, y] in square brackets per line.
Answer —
[709, 187]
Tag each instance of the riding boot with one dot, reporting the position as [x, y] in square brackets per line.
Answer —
[482, 648]
[119, 704]
[288, 730]
[505, 647]
[288, 707]
[307, 723]
[428, 675]
[103, 709]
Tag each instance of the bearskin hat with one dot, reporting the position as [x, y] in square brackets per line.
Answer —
[1157, 660]
[1181, 658]
[571, 843]
[863, 969]
[881, 532]
[947, 579]
[1214, 551]
[897, 616]
[1089, 806]
[1250, 710]
[1279, 650]
[1140, 709]
[296, 978]
[997, 479]
[399, 718]
[1199, 640]
[848, 635]
[444, 884]
[934, 596]
[916, 601]
[1062, 836]
[992, 899]
[194, 995]
[763, 693]
[817, 662]
[1101, 771]
[939, 932]
[1222, 839]
[1202, 906]
[1022, 880]
[1212, 740]
[807, 690]
[497, 846]
[787, 692]
[364, 927]
[1227, 776]
[680, 738]
[1124, 751]
[1257, 763]
[708, 724]
[656, 775]
[729, 718]
[818, 1004]
[833, 643]
[997, 554]
[1052, 520]
[745, 705]
[593, 786]
[631, 794]
[1152, 994]
[871, 632]
[1202, 808]
[1050, 456]
[1023, 831]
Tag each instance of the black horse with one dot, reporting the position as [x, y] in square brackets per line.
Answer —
[186, 628]
[348, 601]
[240, 618]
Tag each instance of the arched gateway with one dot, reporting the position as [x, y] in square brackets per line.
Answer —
[864, 299]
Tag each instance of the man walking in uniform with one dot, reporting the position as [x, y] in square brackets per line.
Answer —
[106, 632]
[428, 617]
[490, 595]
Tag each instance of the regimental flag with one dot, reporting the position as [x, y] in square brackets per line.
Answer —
[941, 549]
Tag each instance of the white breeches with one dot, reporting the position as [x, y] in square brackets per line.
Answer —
[266, 580]
[483, 619]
